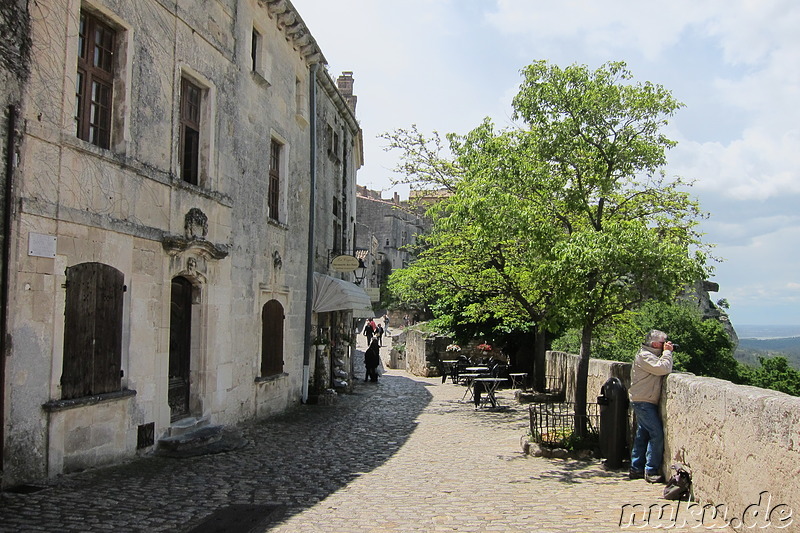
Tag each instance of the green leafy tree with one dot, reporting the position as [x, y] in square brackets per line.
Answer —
[568, 219]
[628, 230]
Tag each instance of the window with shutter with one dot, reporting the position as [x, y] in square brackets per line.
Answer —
[92, 330]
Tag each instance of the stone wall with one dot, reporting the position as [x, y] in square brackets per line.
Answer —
[423, 352]
[741, 443]
[564, 367]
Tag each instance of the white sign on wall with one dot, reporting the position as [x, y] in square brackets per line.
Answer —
[41, 245]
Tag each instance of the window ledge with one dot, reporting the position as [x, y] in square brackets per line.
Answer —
[62, 405]
[277, 223]
[273, 377]
[260, 79]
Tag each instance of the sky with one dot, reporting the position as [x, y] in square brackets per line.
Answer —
[445, 65]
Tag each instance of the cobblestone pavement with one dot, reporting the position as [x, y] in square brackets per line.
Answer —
[400, 455]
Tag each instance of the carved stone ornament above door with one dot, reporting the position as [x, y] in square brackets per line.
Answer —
[195, 229]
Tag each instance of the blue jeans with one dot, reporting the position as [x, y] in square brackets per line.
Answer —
[648, 446]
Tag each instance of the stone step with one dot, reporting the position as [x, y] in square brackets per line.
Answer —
[186, 425]
[200, 440]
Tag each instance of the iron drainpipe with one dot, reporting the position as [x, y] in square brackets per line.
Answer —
[312, 121]
[6, 256]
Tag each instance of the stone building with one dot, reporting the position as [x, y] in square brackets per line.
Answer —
[182, 175]
[385, 228]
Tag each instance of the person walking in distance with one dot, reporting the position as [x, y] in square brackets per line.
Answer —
[652, 363]
[369, 331]
[372, 358]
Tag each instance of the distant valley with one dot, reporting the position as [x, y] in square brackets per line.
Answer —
[768, 341]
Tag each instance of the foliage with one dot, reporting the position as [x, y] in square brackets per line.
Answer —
[774, 373]
[705, 347]
[320, 340]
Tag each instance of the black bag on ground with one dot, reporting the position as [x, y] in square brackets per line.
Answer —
[679, 485]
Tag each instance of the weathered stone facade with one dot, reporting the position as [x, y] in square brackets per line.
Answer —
[391, 226]
[236, 235]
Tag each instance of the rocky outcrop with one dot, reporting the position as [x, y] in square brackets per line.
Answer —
[699, 294]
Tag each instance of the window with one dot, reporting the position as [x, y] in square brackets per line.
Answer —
[272, 338]
[92, 330]
[95, 80]
[333, 143]
[337, 232]
[273, 194]
[255, 51]
[191, 99]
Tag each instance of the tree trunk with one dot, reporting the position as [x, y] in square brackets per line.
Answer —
[540, 361]
[581, 381]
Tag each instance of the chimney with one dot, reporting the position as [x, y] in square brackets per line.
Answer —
[345, 84]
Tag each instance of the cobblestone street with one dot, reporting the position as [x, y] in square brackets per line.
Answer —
[404, 454]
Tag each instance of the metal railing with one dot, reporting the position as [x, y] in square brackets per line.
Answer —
[553, 424]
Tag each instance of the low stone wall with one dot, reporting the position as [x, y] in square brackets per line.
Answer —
[741, 443]
[424, 351]
[565, 366]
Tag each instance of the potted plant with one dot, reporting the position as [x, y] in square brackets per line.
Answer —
[320, 341]
[485, 348]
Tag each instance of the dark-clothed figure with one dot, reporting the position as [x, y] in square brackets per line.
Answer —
[379, 334]
[652, 363]
[372, 358]
[369, 331]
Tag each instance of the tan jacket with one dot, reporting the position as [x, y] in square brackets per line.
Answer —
[649, 368]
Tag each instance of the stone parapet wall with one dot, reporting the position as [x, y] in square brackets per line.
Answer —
[741, 443]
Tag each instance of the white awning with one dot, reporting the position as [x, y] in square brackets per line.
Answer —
[333, 294]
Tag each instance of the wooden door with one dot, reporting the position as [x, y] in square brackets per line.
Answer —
[272, 338]
[180, 337]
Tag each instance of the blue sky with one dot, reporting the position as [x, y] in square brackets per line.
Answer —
[444, 65]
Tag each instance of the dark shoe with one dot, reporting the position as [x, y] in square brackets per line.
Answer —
[636, 474]
[654, 478]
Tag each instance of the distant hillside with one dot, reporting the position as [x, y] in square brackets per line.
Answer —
[750, 349]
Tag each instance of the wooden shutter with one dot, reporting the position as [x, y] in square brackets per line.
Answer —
[92, 330]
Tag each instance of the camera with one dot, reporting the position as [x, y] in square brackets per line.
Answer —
[675, 347]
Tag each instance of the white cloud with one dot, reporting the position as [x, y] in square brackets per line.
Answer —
[603, 27]
[760, 165]
[760, 161]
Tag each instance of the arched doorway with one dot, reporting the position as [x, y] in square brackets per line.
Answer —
[180, 339]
